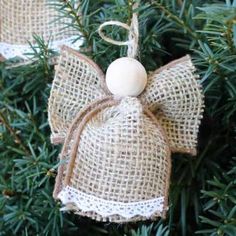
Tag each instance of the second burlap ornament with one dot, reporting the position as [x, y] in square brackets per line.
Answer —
[21, 21]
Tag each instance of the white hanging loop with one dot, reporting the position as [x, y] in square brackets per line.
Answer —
[133, 37]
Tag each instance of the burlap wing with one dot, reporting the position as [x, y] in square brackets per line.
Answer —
[78, 81]
[174, 95]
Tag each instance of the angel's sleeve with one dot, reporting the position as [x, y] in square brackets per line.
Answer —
[174, 95]
[78, 81]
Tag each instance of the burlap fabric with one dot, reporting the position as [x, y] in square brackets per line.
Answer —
[20, 20]
[78, 81]
[123, 157]
[115, 161]
[174, 95]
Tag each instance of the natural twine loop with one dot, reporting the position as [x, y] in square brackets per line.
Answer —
[133, 37]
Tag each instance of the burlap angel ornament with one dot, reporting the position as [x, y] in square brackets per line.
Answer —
[115, 163]
[22, 19]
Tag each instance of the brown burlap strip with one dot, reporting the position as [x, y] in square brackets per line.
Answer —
[78, 81]
[82, 124]
[98, 168]
[21, 20]
[69, 141]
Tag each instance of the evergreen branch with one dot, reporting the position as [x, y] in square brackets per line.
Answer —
[17, 139]
[181, 23]
[34, 212]
[77, 18]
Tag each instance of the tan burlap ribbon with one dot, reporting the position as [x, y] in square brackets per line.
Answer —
[115, 161]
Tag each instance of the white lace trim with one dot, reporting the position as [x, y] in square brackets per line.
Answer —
[105, 208]
[14, 50]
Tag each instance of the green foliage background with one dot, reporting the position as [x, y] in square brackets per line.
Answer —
[203, 190]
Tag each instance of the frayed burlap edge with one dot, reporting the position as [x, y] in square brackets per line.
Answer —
[186, 58]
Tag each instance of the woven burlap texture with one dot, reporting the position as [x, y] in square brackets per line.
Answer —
[174, 95]
[21, 19]
[174, 98]
[78, 81]
[118, 153]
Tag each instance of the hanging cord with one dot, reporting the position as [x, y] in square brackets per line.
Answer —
[133, 37]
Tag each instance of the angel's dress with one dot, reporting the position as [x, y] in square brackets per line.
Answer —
[20, 21]
[115, 160]
[122, 165]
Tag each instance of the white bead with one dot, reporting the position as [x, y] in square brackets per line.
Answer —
[126, 77]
